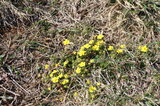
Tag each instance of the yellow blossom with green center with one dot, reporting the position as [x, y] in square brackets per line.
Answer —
[46, 67]
[92, 89]
[91, 41]
[82, 64]
[78, 70]
[110, 48]
[65, 81]
[119, 51]
[122, 46]
[81, 53]
[143, 48]
[96, 47]
[55, 79]
[100, 36]
[66, 42]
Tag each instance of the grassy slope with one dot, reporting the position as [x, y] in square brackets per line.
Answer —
[130, 22]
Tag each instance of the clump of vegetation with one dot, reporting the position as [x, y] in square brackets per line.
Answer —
[50, 53]
[95, 68]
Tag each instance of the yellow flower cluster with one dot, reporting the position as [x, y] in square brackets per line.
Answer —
[119, 51]
[81, 63]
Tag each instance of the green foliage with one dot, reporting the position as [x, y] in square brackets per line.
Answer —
[44, 25]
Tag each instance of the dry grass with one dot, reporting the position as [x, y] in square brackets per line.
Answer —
[32, 32]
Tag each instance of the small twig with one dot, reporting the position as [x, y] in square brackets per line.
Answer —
[12, 79]
[19, 86]
[9, 91]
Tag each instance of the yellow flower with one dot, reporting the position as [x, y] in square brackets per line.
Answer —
[46, 66]
[75, 94]
[92, 96]
[100, 36]
[65, 76]
[81, 53]
[143, 48]
[55, 71]
[87, 46]
[92, 89]
[91, 41]
[56, 65]
[82, 64]
[39, 75]
[122, 46]
[92, 61]
[95, 47]
[110, 48]
[88, 82]
[82, 48]
[65, 63]
[55, 79]
[49, 88]
[78, 70]
[66, 42]
[100, 42]
[51, 75]
[60, 76]
[74, 52]
[98, 84]
[66, 86]
[119, 51]
[65, 81]
[60, 99]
